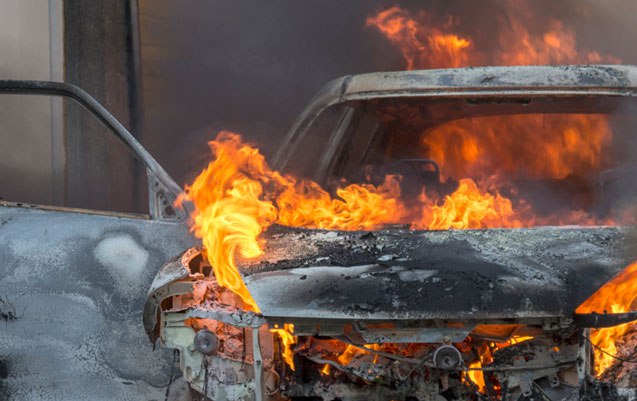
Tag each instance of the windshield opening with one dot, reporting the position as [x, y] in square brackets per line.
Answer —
[472, 163]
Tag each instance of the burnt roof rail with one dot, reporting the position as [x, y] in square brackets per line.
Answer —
[169, 190]
[601, 320]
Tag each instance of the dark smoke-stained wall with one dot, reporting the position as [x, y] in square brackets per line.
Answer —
[251, 66]
[99, 57]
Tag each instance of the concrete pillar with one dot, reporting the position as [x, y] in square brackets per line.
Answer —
[100, 57]
[31, 136]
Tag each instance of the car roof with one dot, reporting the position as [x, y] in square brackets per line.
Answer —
[491, 79]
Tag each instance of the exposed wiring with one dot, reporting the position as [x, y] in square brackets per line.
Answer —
[172, 374]
[205, 378]
[603, 351]
[276, 387]
[170, 379]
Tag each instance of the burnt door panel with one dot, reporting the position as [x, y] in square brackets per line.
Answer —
[72, 288]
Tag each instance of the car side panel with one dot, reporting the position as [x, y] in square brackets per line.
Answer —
[72, 289]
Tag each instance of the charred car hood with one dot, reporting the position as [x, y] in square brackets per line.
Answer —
[405, 274]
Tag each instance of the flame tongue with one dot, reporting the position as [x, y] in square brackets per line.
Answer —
[427, 44]
[432, 47]
[617, 296]
[229, 210]
[238, 196]
[358, 207]
[469, 207]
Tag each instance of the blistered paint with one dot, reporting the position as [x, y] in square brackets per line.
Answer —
[124, 259]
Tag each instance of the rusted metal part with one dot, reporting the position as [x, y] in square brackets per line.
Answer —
[215, 339]
[176, 278]
[416, 334]
[584, 359]
[226, 314]
[217, 373]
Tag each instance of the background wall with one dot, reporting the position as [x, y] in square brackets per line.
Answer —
[52, 151]
[100, 55]
[31, 142]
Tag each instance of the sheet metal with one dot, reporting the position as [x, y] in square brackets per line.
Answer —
[402, 274]
[78, 282]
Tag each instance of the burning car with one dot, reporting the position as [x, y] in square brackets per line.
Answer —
[447, 235]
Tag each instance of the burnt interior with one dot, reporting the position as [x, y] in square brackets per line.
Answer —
[364, 141]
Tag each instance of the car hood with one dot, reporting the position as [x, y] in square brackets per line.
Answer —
[405, 274]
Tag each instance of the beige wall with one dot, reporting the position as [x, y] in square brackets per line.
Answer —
[31, 139]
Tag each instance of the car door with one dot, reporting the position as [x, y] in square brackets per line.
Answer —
[73, 284]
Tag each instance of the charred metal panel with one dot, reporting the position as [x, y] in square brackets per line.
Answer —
[507, 81]
[78, 283]
[403, 274]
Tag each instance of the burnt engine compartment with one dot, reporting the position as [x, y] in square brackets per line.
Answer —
[228, 353]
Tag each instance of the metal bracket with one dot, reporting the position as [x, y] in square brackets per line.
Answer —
[584, 358]
[226, 314]
[526, 387]
[257, 365]
[177, 335]
[161, 201]
[600, 320]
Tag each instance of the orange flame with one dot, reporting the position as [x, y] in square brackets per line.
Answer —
[421, 47]
[358, 207]
[232, 207]
[529, 146]
[467, 208]
[476, 376]
[425, 44]
[558, 45]
[348, 354]
[287, 340]
[485, 356]
[326, 370]
[229, 212]
[619, 295]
